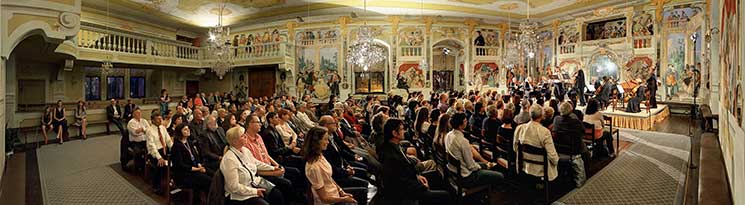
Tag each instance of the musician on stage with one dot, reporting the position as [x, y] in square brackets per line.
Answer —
[652, 87]
[605, 93]
[579, 84]
[633, 104]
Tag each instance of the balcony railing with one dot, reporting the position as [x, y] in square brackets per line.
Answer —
[567, 49]
[126, 43]
[680, 23]
[408, 51]
[643, 42]
[487, 50]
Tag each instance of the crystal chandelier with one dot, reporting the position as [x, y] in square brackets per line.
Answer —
[220, 47]
[106, 66]
[528, 40]
[364, 52]
[511, 56]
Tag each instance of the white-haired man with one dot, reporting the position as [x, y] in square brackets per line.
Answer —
[534, 134]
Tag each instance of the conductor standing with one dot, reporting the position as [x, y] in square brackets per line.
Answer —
[652, 87]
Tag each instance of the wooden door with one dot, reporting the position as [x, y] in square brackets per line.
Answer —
[262, 82]
[192, 87]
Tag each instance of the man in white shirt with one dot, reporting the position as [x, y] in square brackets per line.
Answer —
[474, 174]
[303, 116]
[159, 144]
[137, 129]
[534, 134]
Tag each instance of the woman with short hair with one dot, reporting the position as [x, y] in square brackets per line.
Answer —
[241, 171]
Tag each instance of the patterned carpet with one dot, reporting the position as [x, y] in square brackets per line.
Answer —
[651, 171]
[77, 172]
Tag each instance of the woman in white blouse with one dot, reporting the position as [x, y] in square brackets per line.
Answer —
[289, 137]
[241, 170]
[318, 171]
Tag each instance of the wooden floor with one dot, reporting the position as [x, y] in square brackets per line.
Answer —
[21, 183]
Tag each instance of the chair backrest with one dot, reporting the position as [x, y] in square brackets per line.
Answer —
[607, 121]
[216, 194]
[530, 149]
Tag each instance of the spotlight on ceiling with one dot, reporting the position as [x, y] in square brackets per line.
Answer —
[299, 19]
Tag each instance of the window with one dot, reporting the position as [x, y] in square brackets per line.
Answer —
[92, 88]
[115, 85]
[369, 82]
[137, 87]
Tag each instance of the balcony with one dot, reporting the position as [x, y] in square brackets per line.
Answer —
[642, 42]
[411, 51]
[567, 48]
[486, 51]
[97, 44]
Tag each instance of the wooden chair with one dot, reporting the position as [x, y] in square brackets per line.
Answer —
[455, 180]
[540, 151]
[608, 128]
[589, 138]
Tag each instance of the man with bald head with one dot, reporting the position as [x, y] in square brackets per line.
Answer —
[212, 143]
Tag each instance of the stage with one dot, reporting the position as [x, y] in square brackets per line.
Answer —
[641, 121]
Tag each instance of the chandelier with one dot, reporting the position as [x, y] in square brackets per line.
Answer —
[106, 66]
[364, 52]
[219, 48]
[512, 55]
[528, 40]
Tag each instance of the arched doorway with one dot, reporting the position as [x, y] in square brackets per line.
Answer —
[448, 71]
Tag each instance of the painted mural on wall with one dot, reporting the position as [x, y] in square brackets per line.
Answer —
[678, 17]
[614, 28]
[411, 36]
[643, 24]
[638, 68]
[731, 69]
[255, 38]
[412, 74]
[317, 59]
[678, 77]
[486, 74]
[568, 34]
[486, 37]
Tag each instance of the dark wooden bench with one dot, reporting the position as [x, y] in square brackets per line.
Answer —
[713, 185]
[708, 117]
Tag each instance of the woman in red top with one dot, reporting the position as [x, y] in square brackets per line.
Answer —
[198, 100]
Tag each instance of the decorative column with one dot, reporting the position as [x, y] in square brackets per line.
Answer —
[661, 42]
[426, 47]
[346, 71]
[555, 41]
[290, 64]
[471, 23]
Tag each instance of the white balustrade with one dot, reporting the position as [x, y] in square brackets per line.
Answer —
[567, 48]
[643, 42]
[486, 50]
[411, 50]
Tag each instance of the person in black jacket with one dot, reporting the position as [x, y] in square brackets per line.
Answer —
[114, 116]
[570, 132]
[188, 171]
[212, 144]
[400, 180]
[344, 172]
[285, 155]
[128, 110]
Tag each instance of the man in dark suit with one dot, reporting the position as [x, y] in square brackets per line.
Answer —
[212, 143]
[128, 110]
[399, 175]
[579, 84]
[341, 159]
[606, 93]
[114, 116]
[197, 125]
[570, 132]
[278, 150]
[652, 87]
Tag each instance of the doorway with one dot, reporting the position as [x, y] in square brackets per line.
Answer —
[261, 82]
[192, 87]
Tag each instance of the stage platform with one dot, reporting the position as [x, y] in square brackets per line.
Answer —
[641, 121]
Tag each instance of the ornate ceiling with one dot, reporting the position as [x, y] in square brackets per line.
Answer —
[204, 13]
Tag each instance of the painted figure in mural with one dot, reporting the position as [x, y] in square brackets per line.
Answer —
[333, 82]
[671, 81]
[241, 87]
[416, 78]
[322, 90]
[402, 84]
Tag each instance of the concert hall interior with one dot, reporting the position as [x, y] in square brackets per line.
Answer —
[290, 102]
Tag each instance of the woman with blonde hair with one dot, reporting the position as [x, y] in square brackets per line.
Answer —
[241, 170]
